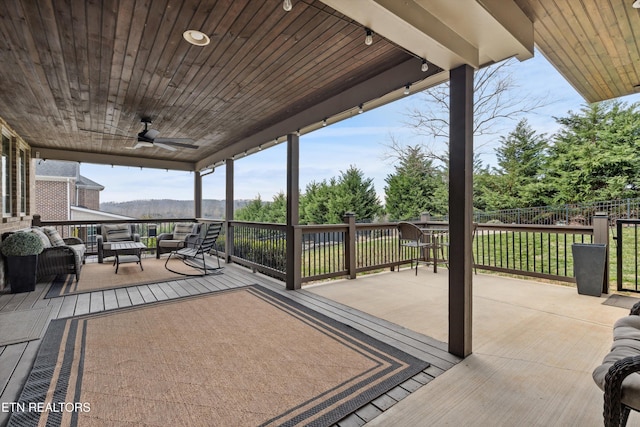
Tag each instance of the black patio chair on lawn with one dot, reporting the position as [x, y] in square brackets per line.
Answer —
[194, 253]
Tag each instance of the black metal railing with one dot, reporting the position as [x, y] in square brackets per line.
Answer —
[537, 251]
[627, 240]
[148, 229]
[260, 246]
[343, 250]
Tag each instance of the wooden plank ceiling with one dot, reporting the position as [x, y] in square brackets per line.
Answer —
[592, 43]
[79, 75]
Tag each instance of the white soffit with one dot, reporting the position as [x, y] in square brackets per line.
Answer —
[448, 33]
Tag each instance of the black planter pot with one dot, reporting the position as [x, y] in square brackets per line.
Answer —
[22, 273]
[589, 262]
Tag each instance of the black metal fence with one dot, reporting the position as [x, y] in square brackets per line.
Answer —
[571, 214]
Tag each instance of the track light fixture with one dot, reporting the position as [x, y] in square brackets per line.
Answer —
[360, 109]
[368, 40]
[287, 6]
[324, 122]
[425, 65]
[407, 89]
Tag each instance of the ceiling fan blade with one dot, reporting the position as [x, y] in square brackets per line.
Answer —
[106, 134]
[150, 134]
[140, 144]
[163, 145]
[176, 142]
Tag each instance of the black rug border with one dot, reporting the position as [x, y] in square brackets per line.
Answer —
[40, 377]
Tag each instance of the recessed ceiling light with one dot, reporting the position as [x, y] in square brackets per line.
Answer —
[196, 37]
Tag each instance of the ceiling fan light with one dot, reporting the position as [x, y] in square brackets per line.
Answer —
[287, 6]
[197, 38]
[144, 144]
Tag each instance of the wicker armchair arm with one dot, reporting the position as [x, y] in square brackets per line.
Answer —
[613, 388]
[164, 236]
[73, 241]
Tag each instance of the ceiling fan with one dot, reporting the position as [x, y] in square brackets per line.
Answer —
[149, 138]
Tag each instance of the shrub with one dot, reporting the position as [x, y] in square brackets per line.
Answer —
[21, 244]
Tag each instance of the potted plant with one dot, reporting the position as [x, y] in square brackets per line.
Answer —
[21, 250]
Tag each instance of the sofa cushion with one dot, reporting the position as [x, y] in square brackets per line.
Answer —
[46, 243]
[78, 251]
[182, 229]
[626, 342]
[116, 232]
[171, 243]
[54, 236]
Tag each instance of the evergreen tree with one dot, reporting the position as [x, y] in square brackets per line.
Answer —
[353, 193]
[253, 211]
[595, 155]
[314, 203]
[416, 186]
[276, 211]
[259, 211]
[515, 183]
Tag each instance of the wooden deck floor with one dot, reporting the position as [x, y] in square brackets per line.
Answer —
[16, 359]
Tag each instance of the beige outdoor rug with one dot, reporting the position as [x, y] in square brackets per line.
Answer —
[95, 276]
[241, 357]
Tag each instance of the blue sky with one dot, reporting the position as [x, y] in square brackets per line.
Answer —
[361, 141]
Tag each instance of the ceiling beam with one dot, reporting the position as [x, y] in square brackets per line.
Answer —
[109, 159]
[371, 94]
[515, 22]
[411, 26]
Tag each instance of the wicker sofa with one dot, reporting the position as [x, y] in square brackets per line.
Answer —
[59, 256]
[619, 374]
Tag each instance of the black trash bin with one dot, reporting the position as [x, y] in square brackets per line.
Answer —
[589, 261]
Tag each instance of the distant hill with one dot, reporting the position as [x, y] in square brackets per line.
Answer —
[168, 208]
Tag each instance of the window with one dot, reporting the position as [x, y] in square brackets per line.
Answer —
[22, 176]
[6, 175]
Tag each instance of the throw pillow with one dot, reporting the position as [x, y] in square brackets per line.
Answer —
[54, 236]
[46, 243]
[182, 229]
[116, 232]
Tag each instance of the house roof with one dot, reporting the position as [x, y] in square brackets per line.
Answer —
[75, 90]
[58, 169]
[63, 169]
[84, 182]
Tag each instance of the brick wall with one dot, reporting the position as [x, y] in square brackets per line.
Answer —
[89, 199]
[51, 199]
